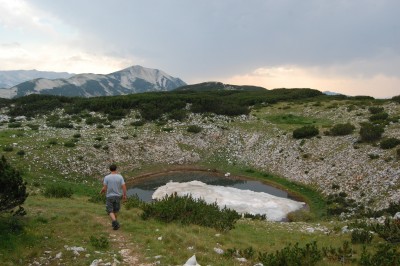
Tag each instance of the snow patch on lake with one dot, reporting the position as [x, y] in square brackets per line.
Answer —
[243, 201]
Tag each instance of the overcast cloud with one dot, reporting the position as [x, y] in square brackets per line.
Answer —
[346, 46]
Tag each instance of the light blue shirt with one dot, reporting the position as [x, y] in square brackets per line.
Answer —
[114, 184]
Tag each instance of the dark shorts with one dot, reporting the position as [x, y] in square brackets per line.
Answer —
[113, 204]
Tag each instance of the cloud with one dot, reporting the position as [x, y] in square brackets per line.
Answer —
[205, 40]
[323, 79]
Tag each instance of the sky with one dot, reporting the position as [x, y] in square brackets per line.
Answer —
[346, 46]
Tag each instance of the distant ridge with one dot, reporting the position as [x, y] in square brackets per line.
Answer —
[10, 78]
[218, 86]
[130, 80]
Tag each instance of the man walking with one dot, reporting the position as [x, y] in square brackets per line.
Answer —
[114, 187]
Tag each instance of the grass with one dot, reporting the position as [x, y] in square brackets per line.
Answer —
[52, 224]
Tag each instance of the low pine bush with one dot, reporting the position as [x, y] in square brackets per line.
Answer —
[341, 129]
[293, 255]
[100, 242]
[370, 132]
[305, 132]
[194, 129]
[375, 109]
[389, 143]
[58, 191]
[361, 236]
[187, 210]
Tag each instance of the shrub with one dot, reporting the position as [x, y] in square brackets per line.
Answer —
[375, 110]
[390, 230]
[97, 145]
[370, 132]
[14, 125]
[21, 152]
[398, 153]
[138, 123]
[373, 156]
[134, 202]
[178, 115]
[389, 143]
[99, 242]
[53, 142]
[8, 148]
[386, 254]
[77, 135]
[33, 126]
[305, 132]
[70, 144]
[293, 255]
[361, 236]
[58, 191]
[12, 188]
[187, 210]
[396, 99]
[378, 117]
[342, 129]
[194, 129]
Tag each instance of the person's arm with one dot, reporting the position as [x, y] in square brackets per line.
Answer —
[124, 192]
[104, 189]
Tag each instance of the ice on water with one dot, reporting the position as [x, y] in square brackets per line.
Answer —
[243, 201]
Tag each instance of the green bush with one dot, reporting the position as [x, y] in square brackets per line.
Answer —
[375, 110]
[396, 99]
[138, 123]
[53, 142]
[389, 143]
[305, 132]
[187, 210]
[342, 129]
[134, 202]
[70, 144]
[361, 236]
[293, 255]
[97, 145]
[99, 242]
[8, 148]
[33, 126]
[390, 230]
[58, 191]
[194, 129]
[370, 132]
[386, 254]
[77, 135]
[21, 153]
[378, 117]
[14, 125]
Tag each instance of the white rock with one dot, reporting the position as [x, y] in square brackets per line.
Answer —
[58, 255]
[218, 251]
[191, 261]
[397, 216]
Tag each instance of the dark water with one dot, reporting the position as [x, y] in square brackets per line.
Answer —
[146, 187]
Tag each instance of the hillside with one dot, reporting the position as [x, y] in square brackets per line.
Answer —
[73, 147]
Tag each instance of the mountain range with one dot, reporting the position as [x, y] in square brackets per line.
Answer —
[130, 80]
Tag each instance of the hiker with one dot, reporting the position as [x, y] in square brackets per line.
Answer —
[115, 188]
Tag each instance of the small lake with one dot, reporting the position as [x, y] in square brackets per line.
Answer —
[145, 187]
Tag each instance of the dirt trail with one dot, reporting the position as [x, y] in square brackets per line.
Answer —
[120, 240]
